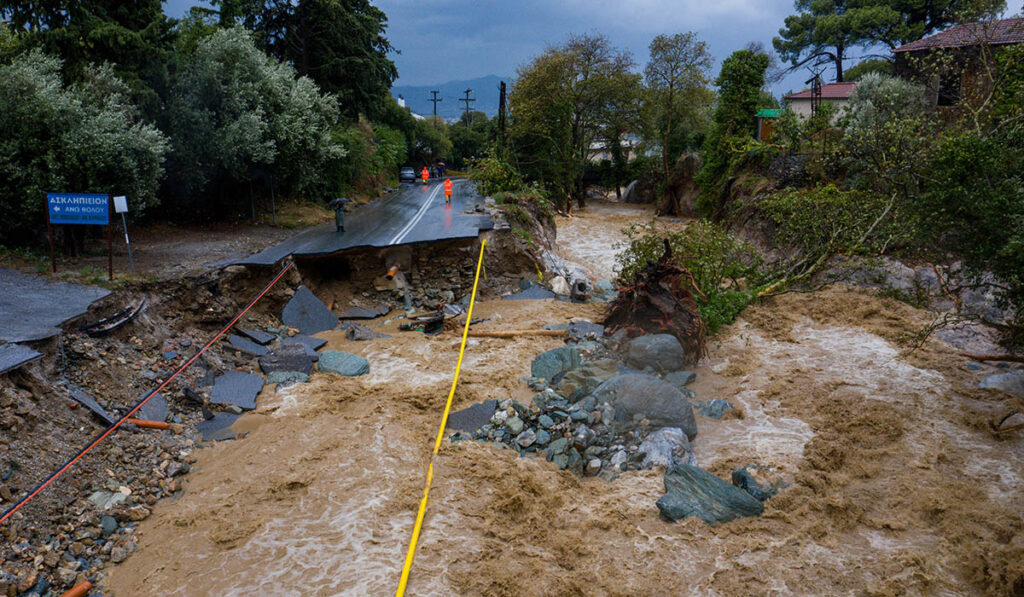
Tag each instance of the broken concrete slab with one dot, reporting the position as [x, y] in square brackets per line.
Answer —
[13, 356]
[218, 428]
[21, 295]
[531, 293]
[289, 357]
[246, 346]
[310, 342]
[307, 313]
[360, 313]
[258, 336]
[154, 410]
[280, 377]
[472, 418]
[237, 388]
[80, 395]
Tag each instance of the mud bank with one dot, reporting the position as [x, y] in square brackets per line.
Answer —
[898, 485]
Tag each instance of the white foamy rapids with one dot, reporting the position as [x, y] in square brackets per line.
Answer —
[386, 367]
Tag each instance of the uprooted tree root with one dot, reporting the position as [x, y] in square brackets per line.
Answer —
[660, 301]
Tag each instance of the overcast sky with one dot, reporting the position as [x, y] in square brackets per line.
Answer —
[443, 40]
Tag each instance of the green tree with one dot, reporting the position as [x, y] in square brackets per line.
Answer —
[740, 95]
[825, 31]
[677, 78]
[238, 115]
[85, 137]
[557, 104]
[470, 138]
[136, 37]
[340, 44]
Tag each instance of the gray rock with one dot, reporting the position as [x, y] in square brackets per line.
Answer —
[289, 357]
[246, 345]
[662, 352]
[584, 330]
[109, 526]
[555, 361]
[104, 500]
[237, 388]
[361, 333]
[307, 313]
[715, 408]
[618, 459]
[80, 395]
[531, 293]
[472, 418]
[361, 313]
[576, 384]
[154, 410]
[343, 363]
[761, 482]
[583, 437]
[283, 376]
[593, 467]
[648, 397]
[545, 421]
[218, 428]
[258, 336]
[1011, 383]
[543, 437]
[515, 425]
[680, 379]
[666, 448]
[526, 438]
[690, 491]
[559, 445]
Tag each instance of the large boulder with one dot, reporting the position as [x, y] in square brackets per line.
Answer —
[666, 448]
[645, 396]
[1011, 383]
[344, 364]
[551, 363]
[690, 491]
[662, 352]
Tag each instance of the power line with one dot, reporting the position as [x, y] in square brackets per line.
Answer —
[435, 99]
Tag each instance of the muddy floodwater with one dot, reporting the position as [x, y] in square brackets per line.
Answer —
[897, 485]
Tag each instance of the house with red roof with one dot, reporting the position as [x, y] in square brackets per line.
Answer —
[837, 94]
[955, 64]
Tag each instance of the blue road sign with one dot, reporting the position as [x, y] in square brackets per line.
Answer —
[78, 208]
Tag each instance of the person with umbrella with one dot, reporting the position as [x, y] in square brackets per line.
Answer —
[339, 212]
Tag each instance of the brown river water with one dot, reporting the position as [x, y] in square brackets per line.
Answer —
[898, 486]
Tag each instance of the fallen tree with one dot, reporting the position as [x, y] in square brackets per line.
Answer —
[659, 300]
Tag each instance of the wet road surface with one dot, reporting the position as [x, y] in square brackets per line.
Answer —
[416, 213]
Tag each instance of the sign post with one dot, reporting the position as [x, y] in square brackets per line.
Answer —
[121, 207]
[79, 208]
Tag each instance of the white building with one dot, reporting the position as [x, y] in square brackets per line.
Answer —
[837, 94]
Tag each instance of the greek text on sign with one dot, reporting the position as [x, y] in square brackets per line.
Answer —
[78, 208]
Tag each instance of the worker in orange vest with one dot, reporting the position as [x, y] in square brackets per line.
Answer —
[425, 174]
[447, 191]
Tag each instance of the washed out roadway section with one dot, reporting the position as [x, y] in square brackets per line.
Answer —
[413, 214]
[32, 308]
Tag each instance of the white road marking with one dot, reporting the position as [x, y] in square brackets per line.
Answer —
[419, 216]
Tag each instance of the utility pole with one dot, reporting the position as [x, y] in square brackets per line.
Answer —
[435, 99]
[467, 101]
[501, 121]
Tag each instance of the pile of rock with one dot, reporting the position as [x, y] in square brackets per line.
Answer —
[607, 405]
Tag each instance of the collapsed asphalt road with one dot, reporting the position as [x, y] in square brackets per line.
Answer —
[413, 214]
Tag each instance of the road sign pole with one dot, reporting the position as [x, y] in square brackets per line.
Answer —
[110, 238]
[49, 232]
[131, 262]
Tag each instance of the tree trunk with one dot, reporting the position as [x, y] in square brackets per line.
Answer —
[839, 63]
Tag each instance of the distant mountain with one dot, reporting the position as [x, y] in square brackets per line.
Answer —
[485, 90]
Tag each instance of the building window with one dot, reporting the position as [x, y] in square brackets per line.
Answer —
[949, 89]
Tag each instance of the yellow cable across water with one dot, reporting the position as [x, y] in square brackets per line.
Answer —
[440, 434]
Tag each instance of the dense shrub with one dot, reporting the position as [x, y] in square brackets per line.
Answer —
[85, 137]
[726, 269]
[493, 176]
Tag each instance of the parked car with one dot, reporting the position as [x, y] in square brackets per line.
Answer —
[407, 174]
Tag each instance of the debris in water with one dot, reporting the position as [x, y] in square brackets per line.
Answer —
[308, 314]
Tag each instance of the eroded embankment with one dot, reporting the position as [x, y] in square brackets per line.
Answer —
[898, 485]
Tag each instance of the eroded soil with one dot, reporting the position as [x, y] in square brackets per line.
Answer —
[898, 484]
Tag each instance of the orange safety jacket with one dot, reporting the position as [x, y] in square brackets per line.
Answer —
[448, 187]
[425, 174]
